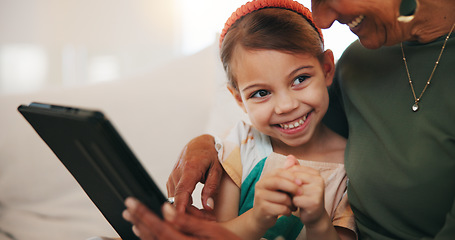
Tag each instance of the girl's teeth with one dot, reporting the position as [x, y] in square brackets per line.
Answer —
[294, 125]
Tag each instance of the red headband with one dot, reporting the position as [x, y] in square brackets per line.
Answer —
[255, 5]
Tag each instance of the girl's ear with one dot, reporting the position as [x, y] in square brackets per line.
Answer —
[328, 65]
[238, 98]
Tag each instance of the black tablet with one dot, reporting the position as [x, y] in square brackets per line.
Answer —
[95, 154]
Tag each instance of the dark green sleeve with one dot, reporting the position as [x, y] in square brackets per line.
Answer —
[448, 230]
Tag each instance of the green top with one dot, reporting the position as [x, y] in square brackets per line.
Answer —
[400, 163]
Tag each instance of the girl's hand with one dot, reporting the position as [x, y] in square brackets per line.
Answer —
[273, 197]
[310, 195]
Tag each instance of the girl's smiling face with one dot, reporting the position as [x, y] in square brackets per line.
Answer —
[284, 94]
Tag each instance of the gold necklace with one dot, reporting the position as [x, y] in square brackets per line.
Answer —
[415, 107]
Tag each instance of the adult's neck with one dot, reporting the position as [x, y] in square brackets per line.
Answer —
[432, 20]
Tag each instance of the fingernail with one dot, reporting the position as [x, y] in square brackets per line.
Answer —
[210, 203]
[136, 231]
[169, 212]
[131, 203]
[126, 215]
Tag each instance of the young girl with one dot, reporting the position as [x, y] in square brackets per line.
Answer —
[278, 74]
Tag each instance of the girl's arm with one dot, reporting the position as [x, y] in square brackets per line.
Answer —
[227, 208]
[227, 200]
[272, 198]
[324, 229]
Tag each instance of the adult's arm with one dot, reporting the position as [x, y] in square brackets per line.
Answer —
[178, 226]
[198, 162]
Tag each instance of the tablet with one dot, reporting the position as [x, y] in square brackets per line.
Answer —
[95, 154]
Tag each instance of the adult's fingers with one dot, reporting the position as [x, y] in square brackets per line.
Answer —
[201, 213]
[184, 189]
[211, 186]
[147, 225]
[175, 188]
[196, 227]
[201, 159]
[195, 161]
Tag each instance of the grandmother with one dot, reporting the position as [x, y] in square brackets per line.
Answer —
[392, 98]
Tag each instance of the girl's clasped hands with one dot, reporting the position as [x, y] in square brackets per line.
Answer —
[287, 190]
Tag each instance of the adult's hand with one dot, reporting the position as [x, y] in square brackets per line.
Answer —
[178, 226]
[198, 162]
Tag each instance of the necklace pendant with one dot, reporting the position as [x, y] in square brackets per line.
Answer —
[415, 107]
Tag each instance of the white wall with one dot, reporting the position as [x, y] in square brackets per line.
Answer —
[77, 41]
[45, 43]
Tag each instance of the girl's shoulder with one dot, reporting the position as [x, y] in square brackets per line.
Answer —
[334, 147]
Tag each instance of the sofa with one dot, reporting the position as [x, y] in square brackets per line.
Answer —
[157, 113]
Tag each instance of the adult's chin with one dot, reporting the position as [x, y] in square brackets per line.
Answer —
[371, 43]
[381, 37]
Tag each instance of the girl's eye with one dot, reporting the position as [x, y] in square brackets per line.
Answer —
[300, 79]
[260, 94]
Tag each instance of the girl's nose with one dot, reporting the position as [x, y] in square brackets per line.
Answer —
[285, 103]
